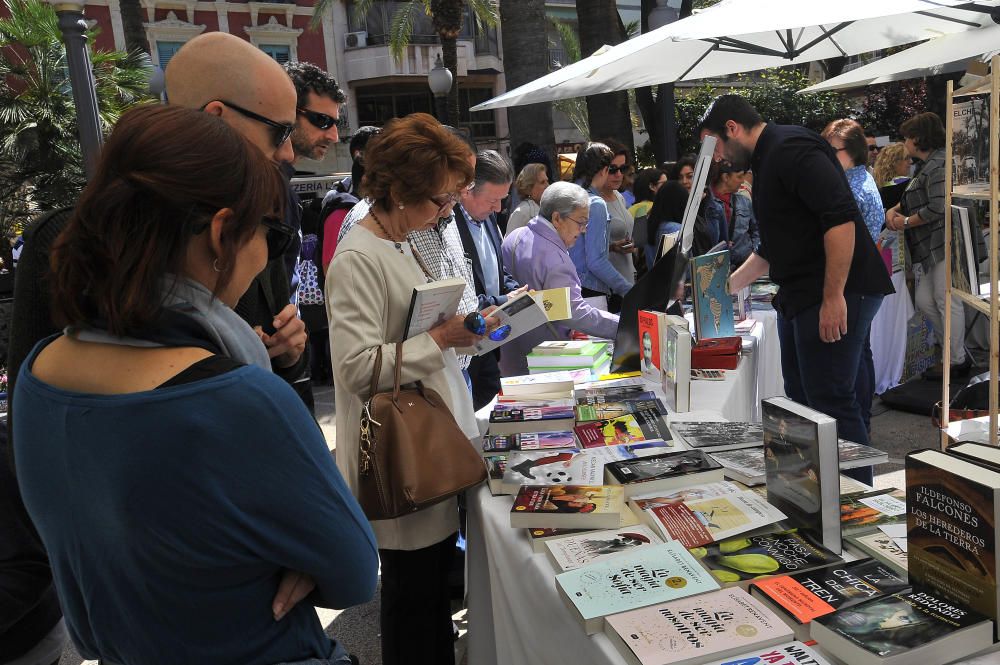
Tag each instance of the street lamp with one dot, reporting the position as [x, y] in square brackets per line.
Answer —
[81, 77]
[439, 79]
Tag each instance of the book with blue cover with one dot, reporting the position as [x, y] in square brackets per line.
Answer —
[713, 306]
[647, 576]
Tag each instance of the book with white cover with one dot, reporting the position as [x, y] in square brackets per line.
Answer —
[789, 653]
[697, 523]
[559, 467]
[432, 304]
[579, 550]
[676, 363]
[550, 383]
[520, 315]
[692, 630]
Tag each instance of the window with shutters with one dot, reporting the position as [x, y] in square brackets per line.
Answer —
[280, 52]
[166, 50]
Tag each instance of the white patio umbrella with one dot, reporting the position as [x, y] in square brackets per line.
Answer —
[936, 56]
[748, 35]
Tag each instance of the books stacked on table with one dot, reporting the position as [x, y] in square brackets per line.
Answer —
[866, 512]
[532, 416]
[746, 465]
[494, 444]
[594, 357]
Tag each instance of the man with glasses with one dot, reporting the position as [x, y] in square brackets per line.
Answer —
[476, 221]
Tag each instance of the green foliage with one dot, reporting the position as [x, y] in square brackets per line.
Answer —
[886, 106]
[773, 93]
[41, 165]
[574, 108]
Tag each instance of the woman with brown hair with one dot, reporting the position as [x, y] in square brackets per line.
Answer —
[183, 492]
[892, 166]
[415, 172]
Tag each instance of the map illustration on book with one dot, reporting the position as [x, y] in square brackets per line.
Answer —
[713, 306]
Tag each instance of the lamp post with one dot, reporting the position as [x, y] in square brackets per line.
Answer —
[439, 79]
[666, 11]
[81, 77]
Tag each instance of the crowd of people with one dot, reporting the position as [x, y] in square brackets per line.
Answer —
[174, 499]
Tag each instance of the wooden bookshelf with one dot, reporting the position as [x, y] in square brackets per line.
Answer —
[988, 305]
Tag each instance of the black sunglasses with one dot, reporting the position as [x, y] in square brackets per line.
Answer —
[279, 130]
[624, 168]
[319, 120]
[279, 236]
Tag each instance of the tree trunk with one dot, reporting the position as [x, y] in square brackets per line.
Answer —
[526, 58]
[449, 56]
[135, 34]
[446, 16]
[599, 24]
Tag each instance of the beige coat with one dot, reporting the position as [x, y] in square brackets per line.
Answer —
[368, 289]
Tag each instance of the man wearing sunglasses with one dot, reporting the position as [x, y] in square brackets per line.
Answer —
[317, 110]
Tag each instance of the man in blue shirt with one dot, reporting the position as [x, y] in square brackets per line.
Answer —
[476, 221]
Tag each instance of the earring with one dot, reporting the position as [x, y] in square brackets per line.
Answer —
[401, 206]
[215, 265]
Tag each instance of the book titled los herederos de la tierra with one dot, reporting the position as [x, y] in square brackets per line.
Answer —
[951, 529]
[647, 576]
[802, 463]
[693, 630]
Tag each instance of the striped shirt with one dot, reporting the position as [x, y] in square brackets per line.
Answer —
[925, 196]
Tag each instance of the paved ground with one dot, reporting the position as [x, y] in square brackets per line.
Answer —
[893, 431]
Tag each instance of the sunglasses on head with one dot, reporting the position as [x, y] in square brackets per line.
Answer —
[318, 120]
[618, 169]
[279, 130]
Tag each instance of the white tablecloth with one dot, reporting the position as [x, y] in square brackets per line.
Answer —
[770, 382]
[888, 335]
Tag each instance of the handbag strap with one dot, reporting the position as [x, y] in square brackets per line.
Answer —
[397, 372]
[376, 372]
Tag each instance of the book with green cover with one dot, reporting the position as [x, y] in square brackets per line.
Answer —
[649, 575]
[744, 558]
[586, 355]
[586, 413]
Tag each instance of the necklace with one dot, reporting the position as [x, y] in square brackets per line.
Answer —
[399, 245]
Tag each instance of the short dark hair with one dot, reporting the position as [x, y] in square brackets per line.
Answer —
[718, 169]
[669, 205]
[592, 158]
[413, 159]
[644, 180]
[308, 78]
[618, 148]
[926, 131]
[853, 136]
[725, 108]
[493, 168]
[164, 172]
[361, 137]
[686, 160]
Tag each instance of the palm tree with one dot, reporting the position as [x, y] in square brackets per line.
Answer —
[526, 58]
[41, 166]
[135, 34]
[600, 24]
[446, 17]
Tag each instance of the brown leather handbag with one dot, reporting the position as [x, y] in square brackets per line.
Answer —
[413, 454]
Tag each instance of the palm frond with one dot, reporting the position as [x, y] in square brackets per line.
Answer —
[401, 29]
[570, 40]
[485, 12]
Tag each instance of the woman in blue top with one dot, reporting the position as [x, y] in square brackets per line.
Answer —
[590, 254]
[184, 494]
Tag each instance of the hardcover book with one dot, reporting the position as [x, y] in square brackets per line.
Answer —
[713, 306]
[639, 426]
[580, 550]
[677, 364]
[802, 462]
[569, 507]
[743, 559]
[586, 413]
[518, 417]
[647, 576]
[651, 329]
[802, 597]
[951, 529]
[663, 472]
[715, 436]
[703, 521]
[692, 630]
[864, 513]
[915, 627]
[882, 548]
[432, 304]
[745, 465]
[789, 653]
[528, 441]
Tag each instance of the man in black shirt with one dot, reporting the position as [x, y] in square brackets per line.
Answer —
[817, 250]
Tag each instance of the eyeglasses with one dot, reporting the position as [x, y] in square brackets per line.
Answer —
[279, 130]
[279, 237]
[319, 120]
[582, 225]
[623, 169]
[449, 199]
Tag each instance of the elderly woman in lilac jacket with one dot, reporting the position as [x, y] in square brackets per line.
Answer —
[538, 255]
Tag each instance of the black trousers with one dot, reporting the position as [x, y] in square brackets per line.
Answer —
[416, 608]
[484, 374]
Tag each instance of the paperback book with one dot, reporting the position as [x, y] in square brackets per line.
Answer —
[528, 441]
[586, 356]
[648, 501]
[586, 413]
[519, 417]
[802, 597]
[716, 436]
[538, 537]
[663, 472]
[652, 326]
[639, 426]
[579, 550]
[789, 653]
[864, 513]
[915, 627]
[743, 559]
[745, 465]
[553, 468]
[496, 464]
[677, 364]
[615, 393]
[713, 306]
[432, 304]
[693, 630]
[853, 455]
[951, 529]
[549, 383]
[803, 467]
[647, 576]
[882, 548]
[520, 315]
[569, 507]
[703, 521]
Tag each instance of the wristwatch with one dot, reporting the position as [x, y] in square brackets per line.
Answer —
[906, 221]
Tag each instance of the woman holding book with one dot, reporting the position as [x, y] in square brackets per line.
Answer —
[538, 255]
[415, 172]
[183, 492]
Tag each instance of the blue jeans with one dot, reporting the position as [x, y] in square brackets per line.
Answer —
[865, 384]
[825, 376]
